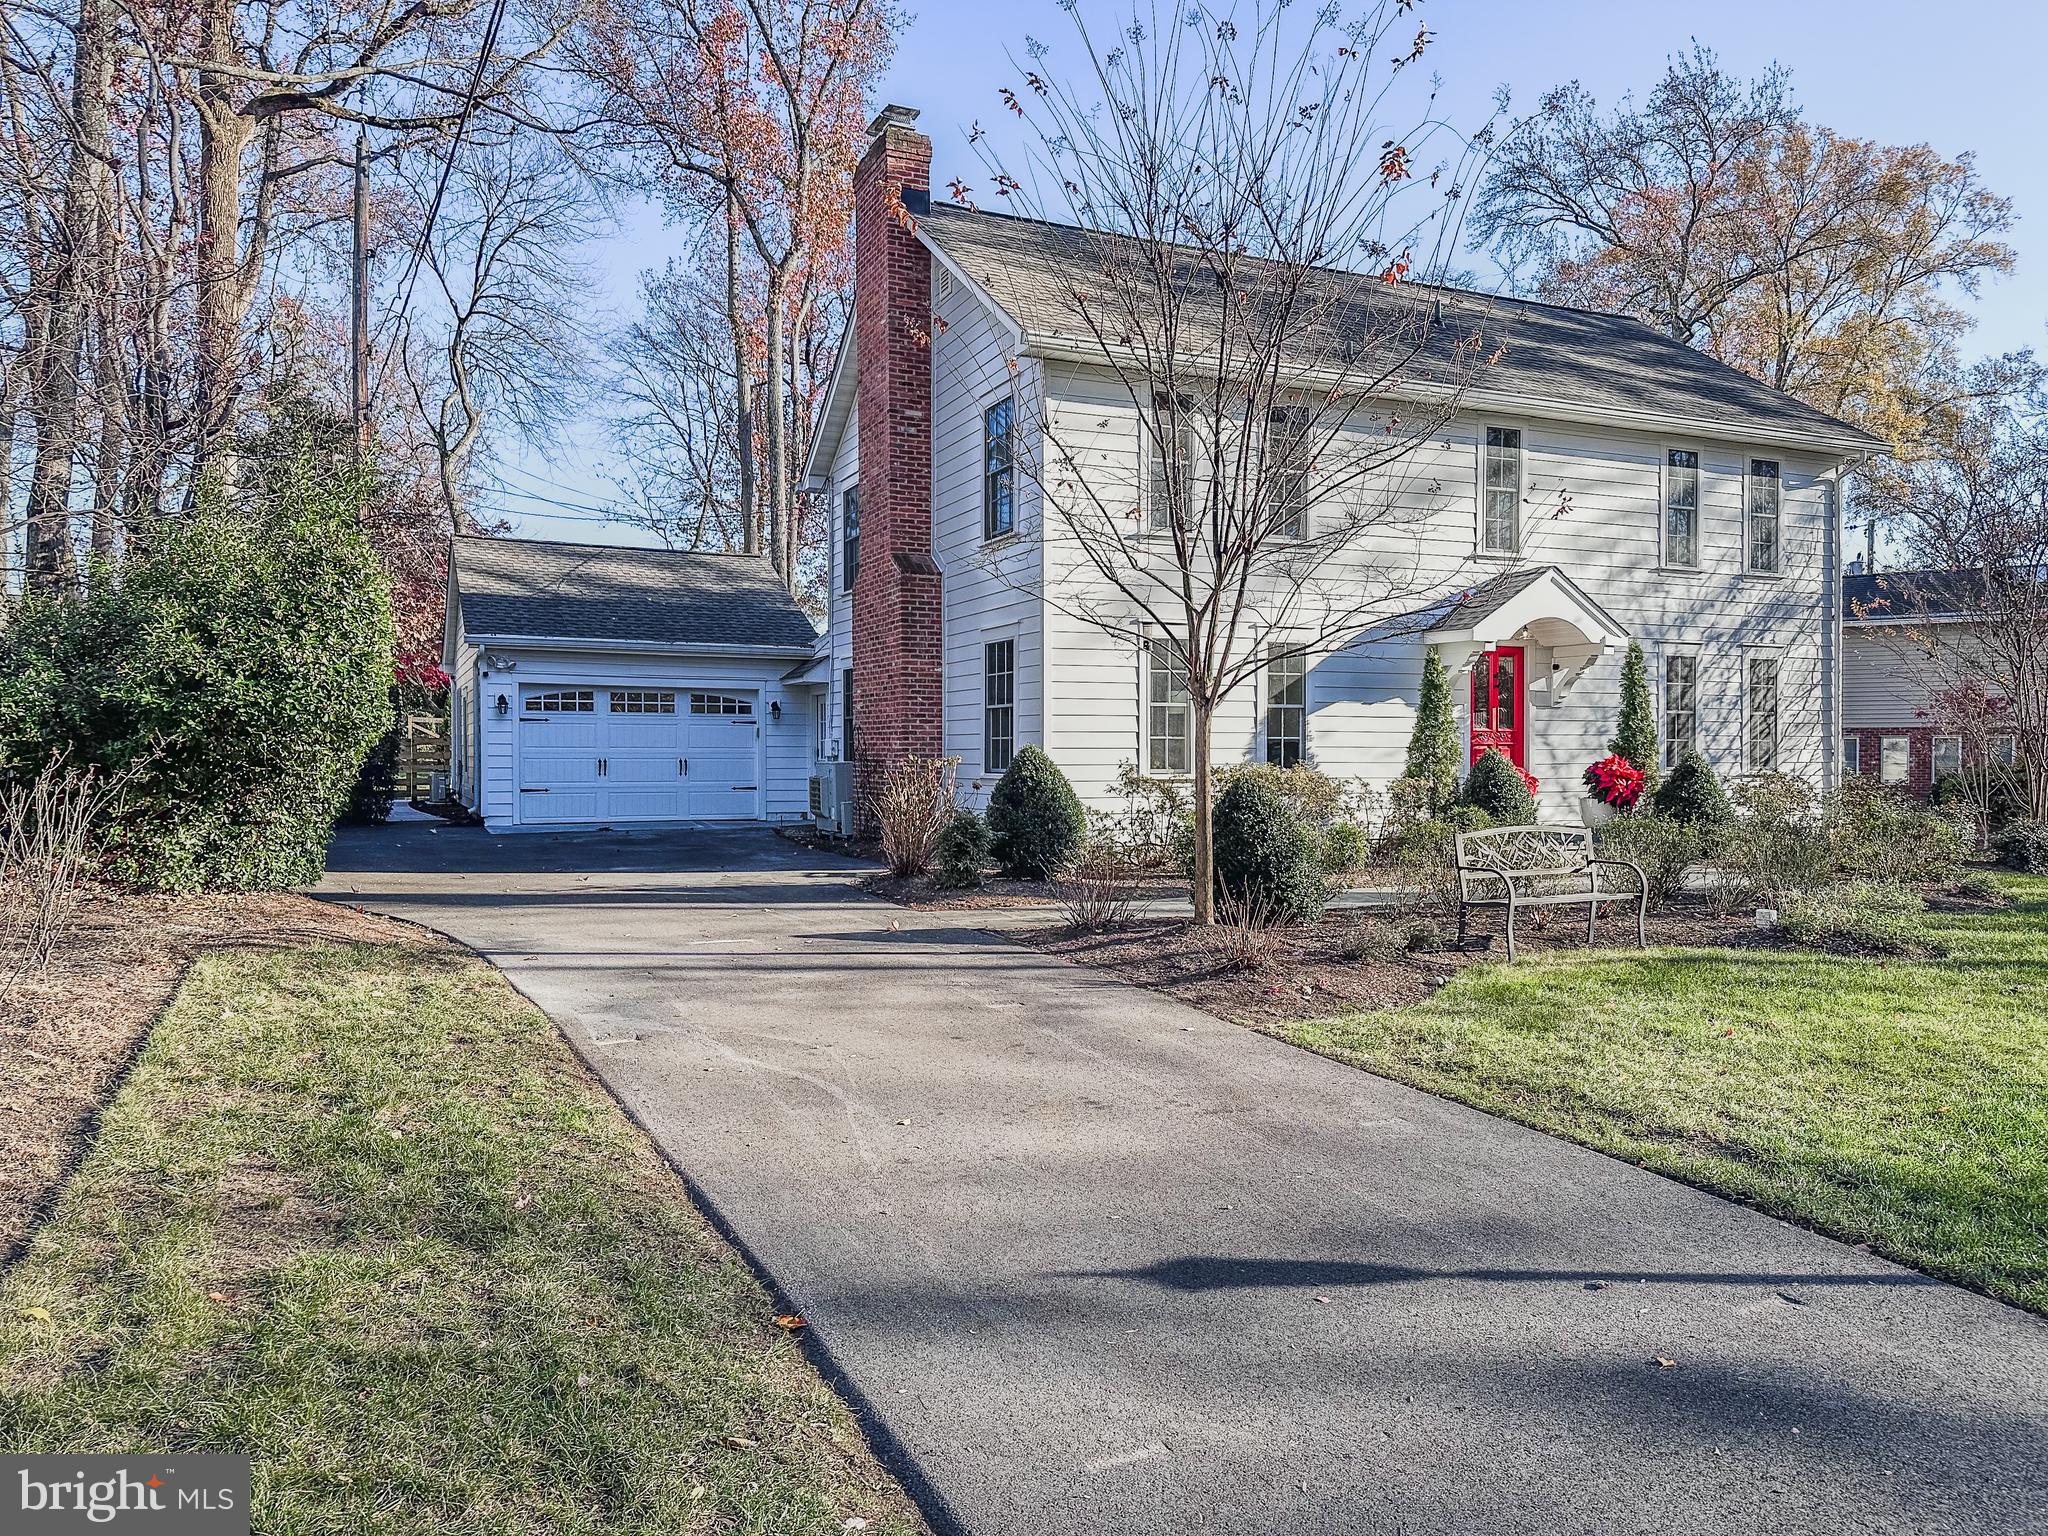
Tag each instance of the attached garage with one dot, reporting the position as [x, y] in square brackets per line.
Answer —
[602, 687]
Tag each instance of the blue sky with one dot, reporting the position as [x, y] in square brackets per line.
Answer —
[1960, 76]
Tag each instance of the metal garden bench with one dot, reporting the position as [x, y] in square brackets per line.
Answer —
[1518, 867]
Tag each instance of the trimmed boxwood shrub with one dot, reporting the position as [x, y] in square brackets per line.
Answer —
[1692, 794]
[244, 654]
[1267, 856]
[961, 851]
[1035, 820]
[1497, 787]
[2024, 846]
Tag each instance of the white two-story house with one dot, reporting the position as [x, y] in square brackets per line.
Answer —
[1599, 483]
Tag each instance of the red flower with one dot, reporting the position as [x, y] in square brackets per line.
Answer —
[1615, 780]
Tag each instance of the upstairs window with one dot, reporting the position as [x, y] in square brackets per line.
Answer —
[1763, 714]
[1286, 451]
[1682, 508]
[849, 533]
[1681, 707]
[998, 705]
[1766, 496]
[1286, 705]
[1169, 479]
[1168, 713]
[1500, 512]
[998, 471]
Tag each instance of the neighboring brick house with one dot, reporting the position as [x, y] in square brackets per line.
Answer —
[1892, 728]
[1703, 523]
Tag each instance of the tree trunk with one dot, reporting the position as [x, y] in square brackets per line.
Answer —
[1203, 887]
[51, 565]
[743, 382]
[778, 426]
[224, 136]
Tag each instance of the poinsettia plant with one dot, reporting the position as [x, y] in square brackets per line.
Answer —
[1528, 778]
[1615, 780]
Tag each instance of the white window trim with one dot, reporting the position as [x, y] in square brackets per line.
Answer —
[1145, 443]
[1699, 699]
[1699, 532]
[989, 637]
[1145, 644]
[1907, 742]
[1007, 392]
[1934, 769]
[2009, 755]
[1263, 701]
[1749, 457]
[1763, 653]
[1852, 754]
[1479, 549]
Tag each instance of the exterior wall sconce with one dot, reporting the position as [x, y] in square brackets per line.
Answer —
[503, 707]
[775, 709]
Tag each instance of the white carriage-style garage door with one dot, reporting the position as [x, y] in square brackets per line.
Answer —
[617, 754]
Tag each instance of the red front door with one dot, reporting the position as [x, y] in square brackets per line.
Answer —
[1497, 699]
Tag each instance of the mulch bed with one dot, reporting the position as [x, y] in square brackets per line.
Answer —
[1310, 971]
[68, 1033]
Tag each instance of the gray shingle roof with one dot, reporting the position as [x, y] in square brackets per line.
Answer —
[530, 587]
[1575, 357]
[1907, 595]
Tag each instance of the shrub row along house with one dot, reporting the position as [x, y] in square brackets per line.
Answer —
[1596, 483]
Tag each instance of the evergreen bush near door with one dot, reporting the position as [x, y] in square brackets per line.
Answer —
[1035, 820]
[244, 655]
[1635, 733]
[1693, 793]
[1496, 786]
[1433, 745]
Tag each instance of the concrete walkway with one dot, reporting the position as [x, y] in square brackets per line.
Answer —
[1094, 1262]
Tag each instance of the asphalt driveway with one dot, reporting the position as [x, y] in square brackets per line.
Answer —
[1094, 1262]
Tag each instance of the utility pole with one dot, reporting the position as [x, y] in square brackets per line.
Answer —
[359, 301]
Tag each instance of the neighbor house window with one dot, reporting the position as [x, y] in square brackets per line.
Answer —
[998, 471]
[1948, 755]
[824, 722]
[1286, 705]
[1852, 754]
[2004, 750]
[1681, 706]
[1500, 513]
[1168, 716]
[1895, 759]
[846, 716]
[1682, 507]
[1766, 494]
[849, 533]
[1167, 478]
[1287, 456]
[1763, 714]
[998, 705]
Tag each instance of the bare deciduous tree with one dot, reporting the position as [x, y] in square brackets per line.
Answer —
[1247, 236]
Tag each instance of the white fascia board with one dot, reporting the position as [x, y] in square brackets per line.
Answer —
[817, 468]
[634, 647]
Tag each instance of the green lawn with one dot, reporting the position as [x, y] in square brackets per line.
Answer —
[359, 1212]
[1903, 1104]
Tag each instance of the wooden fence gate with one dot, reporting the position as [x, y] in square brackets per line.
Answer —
[422, 753]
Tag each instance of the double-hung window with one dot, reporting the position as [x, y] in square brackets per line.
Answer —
[1286, 705]
[1287, 453]
[1852, 754]
[998, 705]
[998, 469]
[1766, 500]
[1168, 715]
[1761, 705]
[1500, 509]
[1682, 508]
[2004, 751]
[1169, 476]
[1681, 706]
[849, 537]
[1948, 756]
[1894, 759]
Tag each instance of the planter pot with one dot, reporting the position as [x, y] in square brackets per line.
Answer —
[1594, 811]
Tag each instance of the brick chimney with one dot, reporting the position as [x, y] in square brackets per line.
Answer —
[897, 679]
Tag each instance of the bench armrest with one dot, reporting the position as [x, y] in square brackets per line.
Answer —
[1642, 880]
